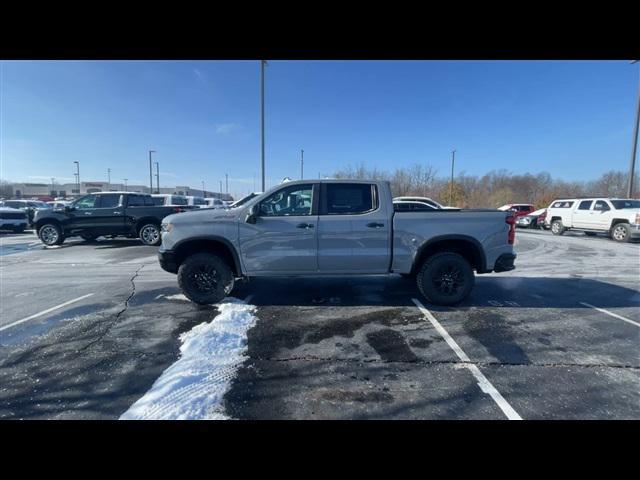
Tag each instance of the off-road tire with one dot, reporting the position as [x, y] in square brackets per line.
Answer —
[50, 234]
[445, 271]
[215, 279]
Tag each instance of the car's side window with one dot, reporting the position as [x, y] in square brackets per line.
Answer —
[349, 198]
[108, 201]
[288, 201]
[585, 205]
[601, 205]
[135, 201]
[86, 202]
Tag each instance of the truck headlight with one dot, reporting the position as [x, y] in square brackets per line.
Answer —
[166, 227]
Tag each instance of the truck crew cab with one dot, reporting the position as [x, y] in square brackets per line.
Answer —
[335, 227]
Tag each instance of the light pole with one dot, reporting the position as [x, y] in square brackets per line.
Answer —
[78, 175]
[263, 64]
[301, 164]
[108, 179]
[453, 159]
[226, 183]
[52, 187]
[634, 146]
[157, 177]
[125, 184]
[220, 188]
[204, 194]
[150, 172]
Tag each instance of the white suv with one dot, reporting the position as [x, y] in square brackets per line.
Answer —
[619, 217]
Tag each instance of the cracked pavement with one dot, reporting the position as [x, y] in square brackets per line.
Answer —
[342, 348]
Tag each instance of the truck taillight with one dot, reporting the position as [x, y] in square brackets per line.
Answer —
[511, 236]
[637, 218]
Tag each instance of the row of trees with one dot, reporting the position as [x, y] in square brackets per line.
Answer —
[496, 188]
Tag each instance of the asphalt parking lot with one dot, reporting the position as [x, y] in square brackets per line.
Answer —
[86, 328]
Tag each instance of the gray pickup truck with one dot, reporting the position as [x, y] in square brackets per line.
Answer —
[334, 228]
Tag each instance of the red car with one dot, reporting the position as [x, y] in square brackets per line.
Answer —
[519, 209]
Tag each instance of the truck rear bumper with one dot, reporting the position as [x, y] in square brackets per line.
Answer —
[168, 261]
[505, 262]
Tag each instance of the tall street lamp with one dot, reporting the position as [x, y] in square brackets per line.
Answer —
[204, 194]
[108, 179]
[78, 175]
[157, 177]
[150, 172]
[125, 184]
[634, 146]
[263, 63]
[301, 164]
[453, 159]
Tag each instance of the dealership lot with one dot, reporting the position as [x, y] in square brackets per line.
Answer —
[86, 328]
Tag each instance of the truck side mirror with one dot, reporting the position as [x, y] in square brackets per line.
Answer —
[252, 215]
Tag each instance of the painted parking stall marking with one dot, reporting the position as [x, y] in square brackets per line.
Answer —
[485, 385]
[607, 312]
[44, 312]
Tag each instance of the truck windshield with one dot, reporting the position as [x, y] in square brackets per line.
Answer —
[244, 200]
[620, 204]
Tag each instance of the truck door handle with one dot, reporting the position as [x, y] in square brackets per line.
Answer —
[375, 225]
[304, 225]
[116, 213]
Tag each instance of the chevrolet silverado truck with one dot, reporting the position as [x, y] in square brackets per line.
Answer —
[618, 217]
[333, 228]
[105, 213]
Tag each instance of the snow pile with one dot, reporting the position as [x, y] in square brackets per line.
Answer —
[192, 388]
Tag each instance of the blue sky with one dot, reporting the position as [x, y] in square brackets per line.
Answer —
[572, 119]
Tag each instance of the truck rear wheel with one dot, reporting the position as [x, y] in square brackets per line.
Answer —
[150, 234]
[445, 278]
[557, 228]
[50, 234]
[205, 278]
[621, 232]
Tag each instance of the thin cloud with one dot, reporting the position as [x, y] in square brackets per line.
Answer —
[227, 128]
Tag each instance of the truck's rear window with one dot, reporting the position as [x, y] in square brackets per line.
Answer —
[349, 198]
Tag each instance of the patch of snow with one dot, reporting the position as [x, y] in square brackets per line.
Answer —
[193, 387]
[177, 296]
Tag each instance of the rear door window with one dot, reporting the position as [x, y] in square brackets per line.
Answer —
[158, 200]
[108, 201]
[349, 198]
[585, 205]
[135, 201]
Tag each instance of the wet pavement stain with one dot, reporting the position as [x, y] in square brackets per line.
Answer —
[391, 346]
[357, 396]
[496, 335]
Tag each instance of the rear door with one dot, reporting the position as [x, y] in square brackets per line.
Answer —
[582, 214]
[109, 213]
[354, 230]
[284, 237]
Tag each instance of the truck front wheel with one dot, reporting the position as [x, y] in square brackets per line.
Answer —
[445, 278]
[205, 278]
[50, 234]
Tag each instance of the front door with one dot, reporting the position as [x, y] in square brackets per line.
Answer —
[284, 236]
[354, 231]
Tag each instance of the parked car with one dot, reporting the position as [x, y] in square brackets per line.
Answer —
[335, 227]
[171, 200]
[109, 213]
[618, 217]
[426, 200]
[30, 207]
[533, 220]
[518, 209]
[58, 204]
[13, 219]
[214, 203]
[197, 202]
[412, 206]
[243, 200]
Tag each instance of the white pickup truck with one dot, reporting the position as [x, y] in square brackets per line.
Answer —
[335, 227]
[619, 217]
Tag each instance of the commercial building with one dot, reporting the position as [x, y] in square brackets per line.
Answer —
[67, 190]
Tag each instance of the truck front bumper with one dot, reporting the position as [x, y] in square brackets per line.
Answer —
[10, 224]
[168, 261]
[505, 262]
[634, 230]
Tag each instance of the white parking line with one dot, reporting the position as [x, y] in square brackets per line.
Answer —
[484, 384]
[611, 313]
[44, 312]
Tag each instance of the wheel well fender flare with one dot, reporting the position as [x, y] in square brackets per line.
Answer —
[468, 247]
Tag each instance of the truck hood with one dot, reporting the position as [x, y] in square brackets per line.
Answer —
[200, 215]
